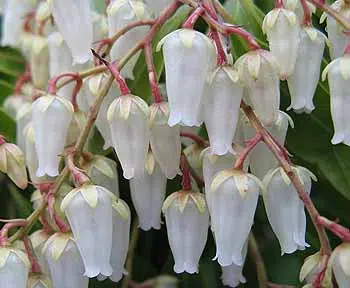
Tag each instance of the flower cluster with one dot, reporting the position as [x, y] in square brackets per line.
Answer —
[66, 90]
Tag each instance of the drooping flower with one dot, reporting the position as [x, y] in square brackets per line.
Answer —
[303, 82]
[148, 193]
[340, 265]
[38, 240]
[31, 158]
[187, 221]
[128, 120]
[234, 198]
[338, 73]
[337, 38]
[165, 140]
[65, 263]
[73, 20]
[188, 57]
[285, 210]
[221, 103]
[14, 268]
[282, 30]
[120, 14]
[259, 71]
[51, 118]
[13, 103]
[39, 62]
[23, 117]
[89, 212]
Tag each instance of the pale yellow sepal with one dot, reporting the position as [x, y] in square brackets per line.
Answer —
[291, 17]
[242, 183]
[103, 167]
[38, 237]
[306, 171]
[311, 32]
[45, 102]
[220, 178]
[279, 121]
[187, 37]
[230, 72]
[270, 20]
[344, 64]
[182, 197]
[323, 17]
[199, 201]
[43, 12]
[39, 281]
[29, 133]
[59, 243]
[309, 264]
[141, 104]
[254, 64]
[121, 208]
[36, 196]
[150, 163]
[159, 113]
[94, 83]
[5, 253]
[39, 45]
[344, 257]
[212, 157]
[24, 110]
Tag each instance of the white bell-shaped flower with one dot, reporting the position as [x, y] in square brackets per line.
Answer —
[338, 73]
[128, 120]
[148, 193]
[23, 117]
[14, 268]
[157, 6]
[39, 62]
[340, 265]
[165, 140]
[13, 103]
[282, 31]
[187, 221]
[303, 82]
[261, 158]
[31, 157]
[38, 240]
[51, 118]
[297, 8]
[92, 87]
[103, 172]
[234, 198]
[285, 210]
[65, 263]
[38, 281]
[73, 19]
[259, 71]
[335, 31]
[89, 212]
[61, 61]
[221, 103]
[189, 56]
[232, 275]
[119, 15]
[12, 25]
[121, 231]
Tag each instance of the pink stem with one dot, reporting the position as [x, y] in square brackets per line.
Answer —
[250, 146]
[52, 85]
[22, 80]
[2, 140]
[197, 139]
[279, 4]
[307, 14]
[186, 174]
[79, 177]
[123, 87]
[317, 283]
[27, 19]
[347, 48]
[152, 73]
[61, 225]
[337, 229]
[35, 267]
[221, 55]
[77, 87]
[244, 34]
[5, 229]
[192, 19]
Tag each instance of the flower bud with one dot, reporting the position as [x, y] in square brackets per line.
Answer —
[12, 163]
[119, 15]
[232, 275]
[261, 158]
[339, 78]
[259, 71]
[103, 172]
[193, 155]
[148, 193]
[23, 117]
[25, 44]
[65, 263]
[221, 103]
[38, 240]
[335, 31]
[14, 268]
[14, 14]
[38, 281]
[282, 30]
[128, 120]
[42, 15]
[187, 221]
[234, 199]
[186, 53]
[73, 19]
[165, 140]
[51, 118]
[157, 6]
[39, 62]
[340, 264]
[285, 210]
[13, 103]
[303, 82]
[92, 87]
[89, 212]
[297, 8]
[121, 231]
[310, 268]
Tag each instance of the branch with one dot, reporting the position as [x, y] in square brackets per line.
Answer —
[258, 260]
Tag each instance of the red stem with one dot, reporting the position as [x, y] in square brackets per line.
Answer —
[250, 146]
[52, 85]
[46, 226]
[244, 34]
[35, 267]
[79, 177]
[27, 19]
[2, 140]
[221, 55]
[317, 283]
[347, 48]
[337, 229]
[197, 139]
[152, 74]
[279, 4]
[123, 87]
[77, 87]
[26, 77]
[186, 174]
[5, 229]
[307, 14]
[192, 19]
[61, 225]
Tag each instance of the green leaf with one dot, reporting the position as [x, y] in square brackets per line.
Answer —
[6, 89]
[7, 126]
[11, 62]
[22, 204]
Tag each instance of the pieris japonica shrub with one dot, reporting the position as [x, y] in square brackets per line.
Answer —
[156, 143]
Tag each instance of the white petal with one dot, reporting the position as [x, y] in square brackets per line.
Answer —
[39, 62]
[14, 273]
